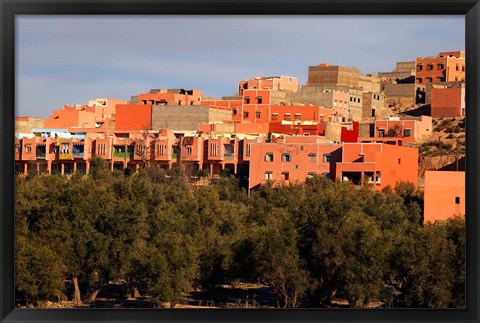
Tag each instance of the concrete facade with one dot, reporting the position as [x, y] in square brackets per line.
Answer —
[273, 83]
[183, 118]
[26, 124]
[444, 195]
[448, 102]
[326, 74]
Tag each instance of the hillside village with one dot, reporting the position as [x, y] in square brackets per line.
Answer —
[371, 130]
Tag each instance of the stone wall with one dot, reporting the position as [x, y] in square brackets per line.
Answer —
[186, 118]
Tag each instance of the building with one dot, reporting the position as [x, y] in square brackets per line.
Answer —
[446, 67]
[326, 74]
[291, 159]
[404, 72]
[169, 96]
[377, 164]
[26, 124]
[444, 195]
[448, 102]
[181, 118]
[273, 83]
[409, 130]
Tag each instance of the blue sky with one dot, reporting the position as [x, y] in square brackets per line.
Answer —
[73, 59]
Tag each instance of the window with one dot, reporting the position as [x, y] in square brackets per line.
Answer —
[259, 100]
[441, 79]
[17, 149]
[378, 178]
[298, 116]
[247, 150]
[258, 113]
[419, 67]
[407, 132]
[327, 158]
[429, 79]
[381, 133]
[289, 80]
[457, 199]
[419, 80]
[188, 150]
[234, 111]
[229, 150]
[275, 116]
[247, 100]
[287, 116]
[246, 114]
[268, 175]
[28, 149]
[161, 149]
[463, 68]
[65, 148]
[312, 157]
[456, 78]
[441, 66]
[269, 157]
[429, 67]
[399, 161]
[286, 176]
[358, 100]
[457, 67]
[286, 157]
[213, 149]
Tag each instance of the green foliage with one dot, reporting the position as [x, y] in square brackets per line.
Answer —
[38, 271]
[309, 243]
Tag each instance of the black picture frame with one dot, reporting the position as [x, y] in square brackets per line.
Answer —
[11, 8]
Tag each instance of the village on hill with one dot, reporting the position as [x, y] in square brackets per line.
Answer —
[345, 191]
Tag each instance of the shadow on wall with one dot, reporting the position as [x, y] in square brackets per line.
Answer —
[458, 165]
[424, 110]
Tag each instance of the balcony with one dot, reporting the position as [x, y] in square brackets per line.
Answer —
[119, 154]
[40, 152]
[78, 152]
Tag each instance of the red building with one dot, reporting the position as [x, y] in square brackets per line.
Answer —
[448, 102]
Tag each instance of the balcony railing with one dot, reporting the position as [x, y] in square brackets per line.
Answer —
[65, 156]
[229, 156]
[117, 154]
[40, 155]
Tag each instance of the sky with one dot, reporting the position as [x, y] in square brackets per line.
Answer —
[74, 59]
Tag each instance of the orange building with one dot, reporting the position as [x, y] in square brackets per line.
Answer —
[293, 113]
[133, 117]
[61, 152]
[95, 114]
[377, 164]
[274, 83]
[170, 97]
[446, 67]
[408, 130]
[291, 159]
[444, 195]
[68, 116]
[448, 102]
